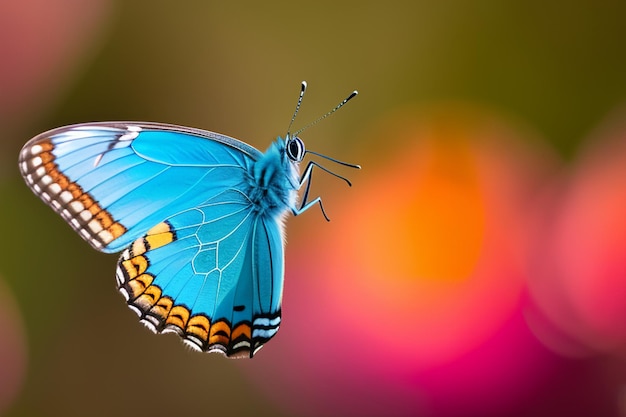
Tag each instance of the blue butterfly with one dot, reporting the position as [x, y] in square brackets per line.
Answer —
[198, 216]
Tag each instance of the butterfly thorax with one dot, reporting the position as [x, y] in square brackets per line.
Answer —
[273, 181]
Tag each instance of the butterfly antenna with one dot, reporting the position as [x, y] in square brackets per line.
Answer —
[302, 90]
[340, 105]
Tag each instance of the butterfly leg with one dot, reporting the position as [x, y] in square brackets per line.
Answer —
[306, 178]
[305, 205]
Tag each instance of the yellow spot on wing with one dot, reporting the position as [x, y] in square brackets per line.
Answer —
[159, 235]
[160, 228]
[162, 239]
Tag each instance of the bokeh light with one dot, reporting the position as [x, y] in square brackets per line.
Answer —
[423, 264]
[579, 277]
[437, 236]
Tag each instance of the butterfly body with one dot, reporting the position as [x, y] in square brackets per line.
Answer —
[197, 216]
[274, 181]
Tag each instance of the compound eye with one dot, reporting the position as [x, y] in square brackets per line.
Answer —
[295, 149]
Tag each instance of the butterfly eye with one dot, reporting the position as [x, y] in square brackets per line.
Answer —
[295, 149]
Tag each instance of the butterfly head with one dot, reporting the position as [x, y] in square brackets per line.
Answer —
[294, 148]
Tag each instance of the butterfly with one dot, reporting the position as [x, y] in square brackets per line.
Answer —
[198, 218]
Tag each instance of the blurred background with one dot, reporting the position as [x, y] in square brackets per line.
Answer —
[477, 267]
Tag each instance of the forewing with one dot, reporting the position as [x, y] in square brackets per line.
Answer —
[112, 182]
[212, 274]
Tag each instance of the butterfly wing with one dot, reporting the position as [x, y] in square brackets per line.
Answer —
[199, 261]
[211, 274]
[113, 181]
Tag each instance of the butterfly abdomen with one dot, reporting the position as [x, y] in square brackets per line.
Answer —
[271, 188]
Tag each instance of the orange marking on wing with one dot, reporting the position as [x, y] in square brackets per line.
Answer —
[117, 230]
[162, 308]
[178, 317]
[59, 178]
[199, 326]
[220, 333]
[46, 157]
[140, 284]
[135, 266]
[80, 196]
[46, 145]
[241, 330]
[93, 207]
[75, 190]
[113, 228]
[51, 168]
[149, 297]
[104, 218]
